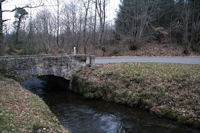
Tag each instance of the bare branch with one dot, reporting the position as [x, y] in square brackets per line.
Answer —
[26, 6]
[5, 20]
[2, 1]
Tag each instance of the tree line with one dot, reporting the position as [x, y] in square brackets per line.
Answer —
[82, 24]
[74, 24]
[178, 21]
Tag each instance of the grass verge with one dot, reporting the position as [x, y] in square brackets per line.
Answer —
[22, 111]
[167, 90]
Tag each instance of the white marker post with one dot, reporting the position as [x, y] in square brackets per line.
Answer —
[92, 60]
[74, 50]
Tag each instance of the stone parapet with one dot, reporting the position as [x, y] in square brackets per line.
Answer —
[24, 67]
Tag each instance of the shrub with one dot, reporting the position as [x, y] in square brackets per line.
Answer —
[186, 52]
[196, 47]
[133, 45]
[187, 49]
[1, 75]
[117, 36]
[114, 52]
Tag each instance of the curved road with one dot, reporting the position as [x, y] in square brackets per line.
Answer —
[182, 60]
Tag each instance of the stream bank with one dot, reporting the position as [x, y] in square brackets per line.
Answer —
[82, 115]
[166, 90]
[23, 111]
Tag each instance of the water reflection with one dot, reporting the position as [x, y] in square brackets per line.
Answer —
[93, 116]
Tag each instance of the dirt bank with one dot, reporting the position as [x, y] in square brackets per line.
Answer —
[167, 90]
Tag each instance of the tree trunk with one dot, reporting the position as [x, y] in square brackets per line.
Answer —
[86, 5]
[1, 30]
[17, 32]
[58, 23]
[95, 23]
[101, 8]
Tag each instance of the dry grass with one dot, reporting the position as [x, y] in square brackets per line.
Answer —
[170, 90]
[22, 111]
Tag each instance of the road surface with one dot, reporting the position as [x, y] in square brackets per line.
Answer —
[182, 60]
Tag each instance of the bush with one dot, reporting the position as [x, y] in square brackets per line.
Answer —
[196, 36]
[133, 47]
[187, 49]
[117, 36]
[1, 75]
[133, 44]
[114, 52]
[196, 47]
[160, 34]
[186, 52]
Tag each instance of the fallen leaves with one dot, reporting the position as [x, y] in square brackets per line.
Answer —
[21, 110]
[172, 89]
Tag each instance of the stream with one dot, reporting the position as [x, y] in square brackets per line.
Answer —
[81, 115]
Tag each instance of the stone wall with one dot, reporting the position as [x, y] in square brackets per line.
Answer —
[24, 67]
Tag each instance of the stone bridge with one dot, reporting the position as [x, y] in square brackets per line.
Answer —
[24, 67]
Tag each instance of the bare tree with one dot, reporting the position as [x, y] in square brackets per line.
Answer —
[101, 11]
[95, 22]
[2, 21]
[58, 23]
[190, 21]
[43, 25]
[86, 5]
[73, 22]
[1, 28]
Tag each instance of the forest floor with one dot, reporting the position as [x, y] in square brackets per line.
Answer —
[23, 111]
[167, 90]
[146, 49]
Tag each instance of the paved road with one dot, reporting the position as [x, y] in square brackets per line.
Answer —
[182, 60]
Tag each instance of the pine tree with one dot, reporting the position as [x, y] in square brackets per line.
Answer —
[19, 16]
[165, 13]
[124, 17]
[134, 17]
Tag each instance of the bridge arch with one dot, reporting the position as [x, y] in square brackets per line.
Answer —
[46, 84]
[56, 82]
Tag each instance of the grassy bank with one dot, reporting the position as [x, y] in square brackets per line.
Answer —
[22, 111]
[167, 90]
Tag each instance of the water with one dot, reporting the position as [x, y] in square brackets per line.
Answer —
[94, 116]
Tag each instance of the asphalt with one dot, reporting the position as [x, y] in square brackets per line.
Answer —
[181, 60]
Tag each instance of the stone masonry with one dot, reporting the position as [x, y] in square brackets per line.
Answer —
[25, 67]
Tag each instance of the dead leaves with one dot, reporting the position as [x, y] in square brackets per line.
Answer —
[23, 109]
[166, 89]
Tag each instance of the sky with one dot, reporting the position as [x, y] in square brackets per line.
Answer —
[112, 8]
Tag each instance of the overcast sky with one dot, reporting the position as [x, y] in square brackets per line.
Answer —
[112, 7]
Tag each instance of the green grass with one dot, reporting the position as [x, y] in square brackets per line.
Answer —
[171, 90]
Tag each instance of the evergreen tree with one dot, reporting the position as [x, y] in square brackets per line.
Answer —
[124, 17]
[20, 15]
[165, 13]
[133, 17]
